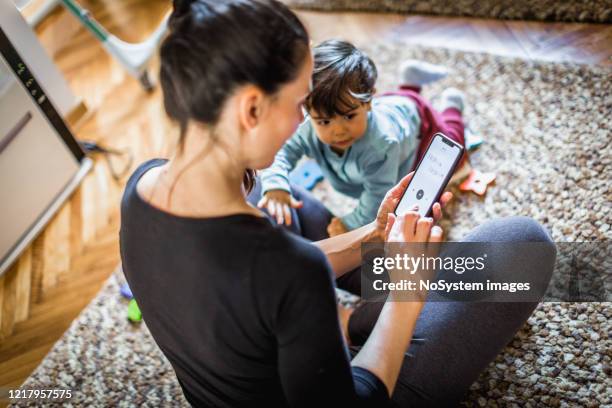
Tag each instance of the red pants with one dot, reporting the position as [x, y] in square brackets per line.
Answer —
[448, 122]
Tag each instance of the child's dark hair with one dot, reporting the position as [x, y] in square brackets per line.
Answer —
[342, 75]
[216, 46]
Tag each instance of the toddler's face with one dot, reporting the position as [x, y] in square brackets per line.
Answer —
[340, 132]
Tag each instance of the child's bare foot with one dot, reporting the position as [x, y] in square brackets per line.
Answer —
[418, 73]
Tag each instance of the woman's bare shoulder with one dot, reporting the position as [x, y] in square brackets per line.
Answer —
[149, 182]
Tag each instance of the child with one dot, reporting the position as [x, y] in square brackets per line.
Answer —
[363, 145]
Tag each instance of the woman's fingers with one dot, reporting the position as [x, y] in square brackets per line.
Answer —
[390, 222]
[436, 234]
[445, 198]
[436, 209]
[423, 229]
[435, 238]
[396, 233]
[411, 218]
[403, 226]
[389, 203]
[400, 187]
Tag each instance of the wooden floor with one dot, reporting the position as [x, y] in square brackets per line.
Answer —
[582, 43]
[124, 116]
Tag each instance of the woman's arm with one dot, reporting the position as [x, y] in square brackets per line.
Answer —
[344, 251]
[383, 352]
[300, 308]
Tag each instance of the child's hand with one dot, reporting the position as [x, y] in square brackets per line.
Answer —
[279, 204]
[336, 227]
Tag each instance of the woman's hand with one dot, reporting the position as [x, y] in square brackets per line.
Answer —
[279, 204]
[336, 227]
[412, 228]
[415, 236]
[393, 197]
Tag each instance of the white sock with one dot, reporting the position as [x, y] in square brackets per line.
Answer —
[452, 98]
[418, 73]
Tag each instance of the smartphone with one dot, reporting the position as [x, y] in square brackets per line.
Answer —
[431, 175]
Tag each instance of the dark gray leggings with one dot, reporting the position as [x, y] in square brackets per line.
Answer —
[453, 342]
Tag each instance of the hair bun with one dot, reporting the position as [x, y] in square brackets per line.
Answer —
[181, 7]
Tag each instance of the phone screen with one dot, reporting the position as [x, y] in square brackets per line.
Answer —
[431, 176]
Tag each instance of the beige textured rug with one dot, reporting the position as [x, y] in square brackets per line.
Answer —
[596, 11]
[547, 136]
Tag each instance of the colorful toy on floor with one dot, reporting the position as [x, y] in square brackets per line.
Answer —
[126, 292]
[477, 182]
[307, 175]
[461, 174]
[472, 140]
[134, 314]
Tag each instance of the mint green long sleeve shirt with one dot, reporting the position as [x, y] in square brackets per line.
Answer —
[368, 168]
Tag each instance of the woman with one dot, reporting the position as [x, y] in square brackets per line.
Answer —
[245, 311]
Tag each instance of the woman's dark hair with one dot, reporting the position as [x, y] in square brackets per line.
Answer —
[342, 74]
[216, 46]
